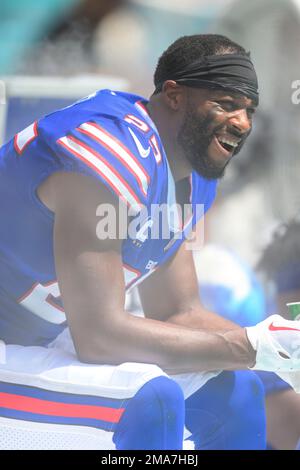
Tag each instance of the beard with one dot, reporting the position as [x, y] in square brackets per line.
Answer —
[194, 138]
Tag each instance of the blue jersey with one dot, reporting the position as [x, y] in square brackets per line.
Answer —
[108, 136]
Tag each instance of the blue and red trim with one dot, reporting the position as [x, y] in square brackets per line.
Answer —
[28, 403]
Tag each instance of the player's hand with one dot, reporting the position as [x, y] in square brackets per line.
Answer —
[277, 344]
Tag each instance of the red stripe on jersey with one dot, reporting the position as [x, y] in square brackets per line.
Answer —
[144, 110]
[131, 119]
[52, 408]
[27, 293]
[116, 154]
[133, 270]
[155, 148]
[50, 299]
[97, 170]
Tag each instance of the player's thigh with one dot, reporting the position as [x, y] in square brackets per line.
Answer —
[51, 400]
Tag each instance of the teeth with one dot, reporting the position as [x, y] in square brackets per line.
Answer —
[227, 141]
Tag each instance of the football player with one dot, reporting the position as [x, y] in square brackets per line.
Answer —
[78, 371]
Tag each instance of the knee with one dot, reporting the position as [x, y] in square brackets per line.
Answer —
[255, 385]
[153, 418]
[161, 400]
[252, 387]
[238, 391]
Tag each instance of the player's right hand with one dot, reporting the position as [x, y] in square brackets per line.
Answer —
[277, 344]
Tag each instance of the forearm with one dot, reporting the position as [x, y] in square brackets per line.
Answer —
[172, 347]
[197, 317]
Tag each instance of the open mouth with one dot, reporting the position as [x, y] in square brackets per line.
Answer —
[225, 144]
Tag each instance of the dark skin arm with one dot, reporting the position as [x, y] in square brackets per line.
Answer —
[176, 297]
[91, 280]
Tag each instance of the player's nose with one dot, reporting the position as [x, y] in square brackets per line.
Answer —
[241, 121]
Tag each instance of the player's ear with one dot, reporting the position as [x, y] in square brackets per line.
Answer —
[173, 95]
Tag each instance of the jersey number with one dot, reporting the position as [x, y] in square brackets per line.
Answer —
[41, 300]
[23, 138]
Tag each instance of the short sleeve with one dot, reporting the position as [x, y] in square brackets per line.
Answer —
[103, 150]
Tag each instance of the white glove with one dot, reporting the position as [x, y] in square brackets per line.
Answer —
[277, 344]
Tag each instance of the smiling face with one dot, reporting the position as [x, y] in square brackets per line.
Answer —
[215, 126]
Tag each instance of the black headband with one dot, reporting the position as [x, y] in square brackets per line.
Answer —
[233, 72]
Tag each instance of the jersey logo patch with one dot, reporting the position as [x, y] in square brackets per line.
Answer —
[144, 153]
[273, 327]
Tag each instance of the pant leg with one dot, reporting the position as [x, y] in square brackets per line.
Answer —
[153, 418]
[50, 400]
[228, 412]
